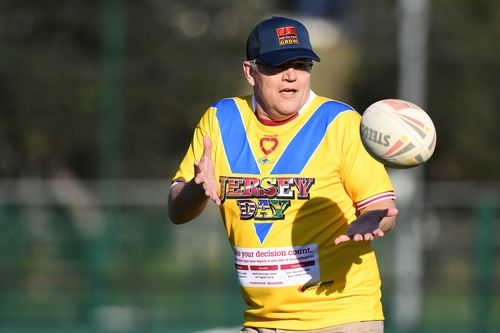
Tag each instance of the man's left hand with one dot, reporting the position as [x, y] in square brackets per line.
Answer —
[367, 226]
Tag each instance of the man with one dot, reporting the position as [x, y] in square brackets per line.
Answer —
[300, 197]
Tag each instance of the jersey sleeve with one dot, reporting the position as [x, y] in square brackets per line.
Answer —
[365, 179]
[204, 127]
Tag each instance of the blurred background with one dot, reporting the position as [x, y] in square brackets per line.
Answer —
[98, 101]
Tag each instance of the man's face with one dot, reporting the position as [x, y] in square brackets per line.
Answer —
[279, 92]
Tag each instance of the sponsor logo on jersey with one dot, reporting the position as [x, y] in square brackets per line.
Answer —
[287, 36]
[265, 160]
[264, 200]
[315, 285]
[267, 188]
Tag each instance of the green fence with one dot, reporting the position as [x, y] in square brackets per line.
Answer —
[116, 266]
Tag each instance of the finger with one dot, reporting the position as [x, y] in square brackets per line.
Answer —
[392, 212]
[368, 237]
[378, 233]
[213, 195]
[199, 179]
[358, 237]
[341, 239]
[215, 198]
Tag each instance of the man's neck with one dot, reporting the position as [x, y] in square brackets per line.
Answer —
[269, 122]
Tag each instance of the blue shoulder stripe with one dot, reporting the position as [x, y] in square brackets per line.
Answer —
[234, 138]
[306, 141]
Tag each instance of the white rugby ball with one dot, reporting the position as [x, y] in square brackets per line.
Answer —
[398, 133]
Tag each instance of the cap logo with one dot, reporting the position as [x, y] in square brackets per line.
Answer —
[287, 36]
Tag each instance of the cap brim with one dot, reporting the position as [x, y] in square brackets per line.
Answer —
[280, 57]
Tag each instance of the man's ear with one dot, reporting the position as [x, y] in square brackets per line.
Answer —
[248, 71]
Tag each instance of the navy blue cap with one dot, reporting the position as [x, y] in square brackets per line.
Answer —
[278, 40]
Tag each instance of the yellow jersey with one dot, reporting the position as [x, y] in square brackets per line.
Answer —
[287, 192]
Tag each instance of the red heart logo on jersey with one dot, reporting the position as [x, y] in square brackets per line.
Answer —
[268, 145]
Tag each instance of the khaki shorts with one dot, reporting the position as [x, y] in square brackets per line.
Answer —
[374, 326]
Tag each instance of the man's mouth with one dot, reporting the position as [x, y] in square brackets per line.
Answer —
[288, 91]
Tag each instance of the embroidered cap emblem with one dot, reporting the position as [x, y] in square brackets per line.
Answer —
[287, 36]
